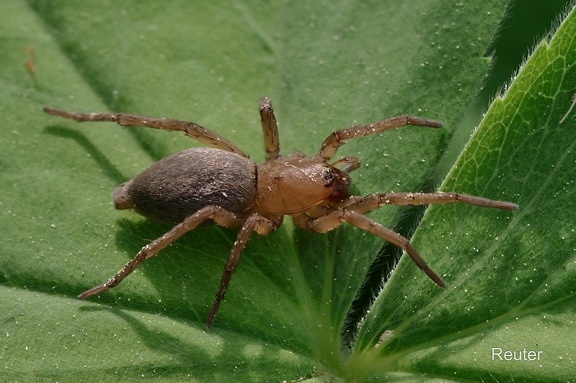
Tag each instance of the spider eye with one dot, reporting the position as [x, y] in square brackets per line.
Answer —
[328, 176]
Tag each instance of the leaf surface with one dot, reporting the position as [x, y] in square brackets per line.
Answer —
[326, 67]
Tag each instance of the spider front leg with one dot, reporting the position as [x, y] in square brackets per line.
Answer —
[352, 210]
[336, 139]
[371, 202]
[335, 218]
[190, 129]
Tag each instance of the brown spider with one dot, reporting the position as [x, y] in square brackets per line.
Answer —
[223, 185]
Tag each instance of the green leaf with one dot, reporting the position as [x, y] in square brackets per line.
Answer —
[511, 277]
[325, 66]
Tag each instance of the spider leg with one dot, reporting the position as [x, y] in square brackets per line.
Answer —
[371, 202]
[269, 128]
[190, 129]
[336, 139]
[335, 218]
[377, 229]
[352, 210]
[255, 222]
[220, 216]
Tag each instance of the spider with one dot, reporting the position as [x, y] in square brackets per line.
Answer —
[222, 184]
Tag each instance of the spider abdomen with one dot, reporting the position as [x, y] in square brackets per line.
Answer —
[181, 184]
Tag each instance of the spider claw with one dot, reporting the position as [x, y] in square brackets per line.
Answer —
[439, 281]
[93, 291]
[213, 313]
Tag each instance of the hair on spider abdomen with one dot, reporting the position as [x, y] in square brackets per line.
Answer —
[179, 185]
